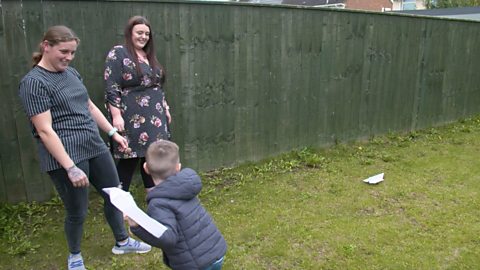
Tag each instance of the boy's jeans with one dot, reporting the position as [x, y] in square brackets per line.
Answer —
[216, 265]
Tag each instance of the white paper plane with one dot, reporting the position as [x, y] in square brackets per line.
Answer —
[374, 179]
[124, 202]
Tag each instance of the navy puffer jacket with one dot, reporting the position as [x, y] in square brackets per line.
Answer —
[192, 240]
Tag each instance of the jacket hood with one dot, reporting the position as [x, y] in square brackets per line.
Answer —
[184, 185]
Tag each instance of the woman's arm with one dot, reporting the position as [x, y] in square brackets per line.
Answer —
[104, 125]
[113, 84]
[99, 118]
[117, 119]
[43, 125]
[167, 110]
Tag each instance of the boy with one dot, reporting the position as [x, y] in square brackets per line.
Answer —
[192, 240]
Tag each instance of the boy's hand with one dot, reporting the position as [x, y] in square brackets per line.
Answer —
[130, 222]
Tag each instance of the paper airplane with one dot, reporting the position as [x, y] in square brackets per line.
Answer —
[374, 179]
[124, 202]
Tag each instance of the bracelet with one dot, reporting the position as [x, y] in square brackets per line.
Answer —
[112, 132]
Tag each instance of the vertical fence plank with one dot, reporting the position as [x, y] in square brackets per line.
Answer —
[38, 186]
[313, 77]
[93, 48]
[257, 95]
[169, 51]
[241, 84]
[187, 85]
[405, 60]
[3, 85]
[471, 99]
[3, 183]
[271, 72]
[13, 68]
[356, 46]
[287, 97]
[429, 111]
[250, 120]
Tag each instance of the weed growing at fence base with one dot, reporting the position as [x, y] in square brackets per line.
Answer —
[307, 209]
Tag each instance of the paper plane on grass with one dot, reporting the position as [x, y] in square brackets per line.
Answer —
[374, 179]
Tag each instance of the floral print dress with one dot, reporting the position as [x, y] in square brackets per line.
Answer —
[141, 100]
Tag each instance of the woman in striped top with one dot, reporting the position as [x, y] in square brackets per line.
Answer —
[65, 124]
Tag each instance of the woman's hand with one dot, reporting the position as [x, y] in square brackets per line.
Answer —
[77, 177]
[120, 140]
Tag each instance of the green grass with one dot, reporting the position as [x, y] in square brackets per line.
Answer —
[307, 209]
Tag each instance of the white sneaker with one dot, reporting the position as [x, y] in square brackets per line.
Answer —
[75, 262]
[132, 246]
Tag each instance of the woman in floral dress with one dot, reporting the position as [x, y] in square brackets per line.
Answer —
[135, 98]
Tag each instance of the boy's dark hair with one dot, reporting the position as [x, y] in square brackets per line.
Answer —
[162, 158]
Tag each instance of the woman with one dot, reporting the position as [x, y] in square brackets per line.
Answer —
[135, 98]
[64, 122]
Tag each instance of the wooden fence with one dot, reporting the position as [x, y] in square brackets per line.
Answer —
[250, 81]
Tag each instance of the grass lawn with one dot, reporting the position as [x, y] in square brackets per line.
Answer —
[307, 209]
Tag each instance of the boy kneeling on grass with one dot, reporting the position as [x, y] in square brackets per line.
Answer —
[192, 240]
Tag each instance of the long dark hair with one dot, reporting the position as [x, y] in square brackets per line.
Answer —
[54, 35]
[149, 48]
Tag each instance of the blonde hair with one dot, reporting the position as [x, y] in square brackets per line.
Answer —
[54, 35]
[162, 158]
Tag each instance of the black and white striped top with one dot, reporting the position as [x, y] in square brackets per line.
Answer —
[64, 94]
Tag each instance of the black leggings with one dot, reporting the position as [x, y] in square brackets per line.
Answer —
[126, 168]
[101, 173]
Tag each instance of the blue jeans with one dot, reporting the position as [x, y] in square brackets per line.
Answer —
[101, 173]
[216, 265]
